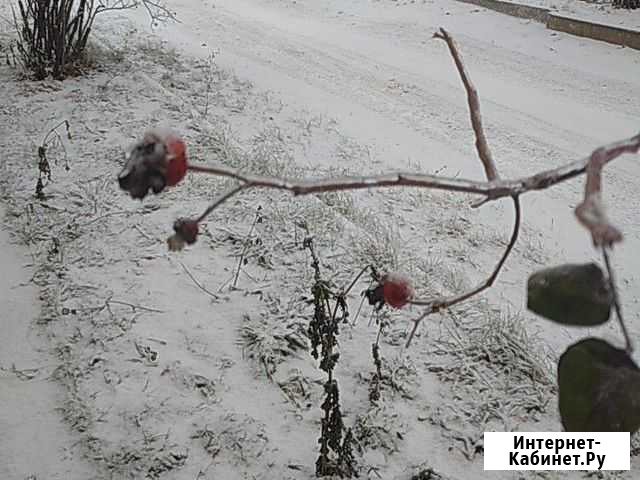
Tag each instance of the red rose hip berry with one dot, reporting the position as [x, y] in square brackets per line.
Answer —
[396, 289]
[186, 233]
[177, 160]
[157, 161]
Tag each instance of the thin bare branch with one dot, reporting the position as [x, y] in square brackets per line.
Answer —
[436, 305]
[355, 280]
[491, 190]
[245, 247]
[53, 131]
[220, 200]
[132, 306]
[616, 301]
[157, 11]
[482, 146]
[198, 284]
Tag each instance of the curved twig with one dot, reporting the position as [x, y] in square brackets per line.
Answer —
[221, 199]
[434, 306]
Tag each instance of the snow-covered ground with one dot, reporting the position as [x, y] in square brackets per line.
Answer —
[171, 373]
[34, 439]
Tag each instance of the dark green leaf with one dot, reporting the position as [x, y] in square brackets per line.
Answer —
[571, 294]
[599, 388]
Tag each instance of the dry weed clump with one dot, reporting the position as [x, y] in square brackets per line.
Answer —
[52, 141]
[427, 473]
[379, 243]
[236, 438]
[150, 458]
[499, 377]
[267, 346]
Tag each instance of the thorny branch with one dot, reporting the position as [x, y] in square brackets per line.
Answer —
[590, 212]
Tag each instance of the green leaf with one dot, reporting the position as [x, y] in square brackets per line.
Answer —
[599, 388]
[571, 294]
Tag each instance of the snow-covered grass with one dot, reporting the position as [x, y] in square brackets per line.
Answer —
[169, 371]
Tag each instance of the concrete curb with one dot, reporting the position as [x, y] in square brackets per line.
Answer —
[597, 31]
[563, 23]
[514, 9]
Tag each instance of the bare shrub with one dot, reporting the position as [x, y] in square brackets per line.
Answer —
[53, 34]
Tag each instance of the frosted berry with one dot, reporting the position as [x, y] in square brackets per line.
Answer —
[186, 233]
[396, 290]
[155, 162]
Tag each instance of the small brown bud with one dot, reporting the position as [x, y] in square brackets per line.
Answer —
[186, 233]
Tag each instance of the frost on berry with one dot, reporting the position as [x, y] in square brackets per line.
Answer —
[186, 233]
[155, 162]
[397, 290]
